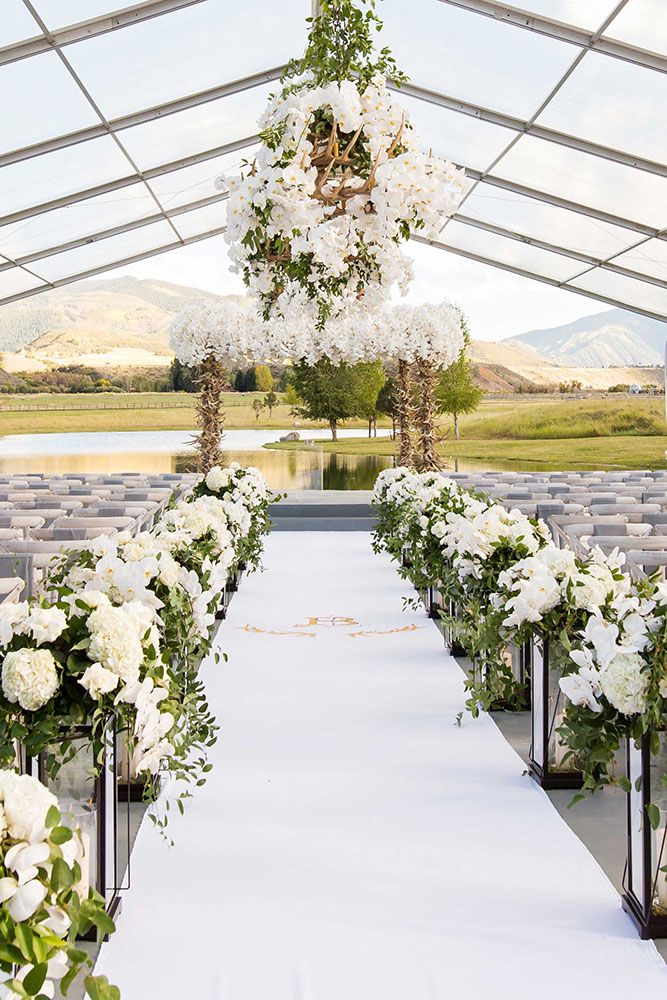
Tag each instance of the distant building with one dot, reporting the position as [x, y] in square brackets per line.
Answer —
[634, 390]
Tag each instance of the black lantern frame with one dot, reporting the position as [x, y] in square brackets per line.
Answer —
[518, 657]
[550, 761]
[644, 883]
[97, 790]
[441, 607]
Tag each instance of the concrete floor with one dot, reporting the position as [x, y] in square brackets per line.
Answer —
[598, 821]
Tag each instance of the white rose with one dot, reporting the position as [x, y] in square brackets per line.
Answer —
[97, 680]
[29, 677]
[26, 802]
[46, 624]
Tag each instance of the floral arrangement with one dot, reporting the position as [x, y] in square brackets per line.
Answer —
[246, 489]
[227, 330]
[44, 904]
[509, 583]
[131, 619]
[316, 222]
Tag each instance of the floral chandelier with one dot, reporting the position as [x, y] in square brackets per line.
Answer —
[316, 222]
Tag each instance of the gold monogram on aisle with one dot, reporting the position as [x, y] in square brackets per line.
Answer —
[310, 627]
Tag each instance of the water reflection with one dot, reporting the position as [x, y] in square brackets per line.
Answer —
[171, 451]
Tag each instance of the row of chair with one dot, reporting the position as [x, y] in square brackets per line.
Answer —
[41, 515]
[613, 510]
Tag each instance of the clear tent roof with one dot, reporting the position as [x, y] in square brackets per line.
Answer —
[115, 122]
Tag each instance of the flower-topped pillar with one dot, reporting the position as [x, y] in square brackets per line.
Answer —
[210, 336]
[426, 447]
[210, 415]
[340, 181]
[405, 416]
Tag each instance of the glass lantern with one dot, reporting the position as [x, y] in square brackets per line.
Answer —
[517, 657]
[92, 802]
[645, 882]
[550, 762]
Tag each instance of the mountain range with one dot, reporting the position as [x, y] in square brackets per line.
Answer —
[124, 321]
[613, 337]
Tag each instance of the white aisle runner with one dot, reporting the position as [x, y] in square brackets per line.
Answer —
[352, 842]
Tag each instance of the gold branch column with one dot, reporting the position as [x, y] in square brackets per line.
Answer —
[405, 408]
[426, 377]
[210, 416]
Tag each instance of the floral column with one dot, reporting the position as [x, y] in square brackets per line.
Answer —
[210, 416]
[426, 458]
[406, 454]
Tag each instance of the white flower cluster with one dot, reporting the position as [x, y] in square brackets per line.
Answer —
[338, 183]
[470, 537]
[26, 890]
[228, 330]
[245, 486]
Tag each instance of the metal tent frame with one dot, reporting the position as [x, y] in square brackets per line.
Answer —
[629, 270]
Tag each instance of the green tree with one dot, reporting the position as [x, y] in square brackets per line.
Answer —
[291, 399]
[270, 401]
[240, 381]
[457, 391]
[182, 377]
[387, 403]
[369, 378]
[327, 392]
[257, 406]
[263, 379]
[250, 380]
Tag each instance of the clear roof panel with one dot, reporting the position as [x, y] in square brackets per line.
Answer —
[465, 140]
[75, 221]
[16, 23]
[201, 220]
[641, 23]
[507, 251]
[54, 175]
[589, 180]
[104, 252]
[179, 187]
[589, 14]
[62, 13]
[206, 126]
[648, 258]
[211, 43]
[39, 100]
[15, 280]
[478, 59]
[546, 222]
[616, 286]
[599, 101]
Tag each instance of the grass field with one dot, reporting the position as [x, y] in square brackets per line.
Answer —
[614, 432]
[61, 413]
[631, 452]
[618, 431]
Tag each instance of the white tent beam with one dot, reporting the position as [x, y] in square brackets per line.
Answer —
[563, 32]
[523, 127]
[504, 266]
[103, 234]
[123, 182]
[94, 271]
[551, 199]
[91, 28]
[141, 117]
[585, 258]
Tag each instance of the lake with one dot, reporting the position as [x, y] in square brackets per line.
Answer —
[171, 451]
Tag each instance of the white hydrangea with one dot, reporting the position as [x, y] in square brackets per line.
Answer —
[625, 683]
[115, 641]
[29, 677]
